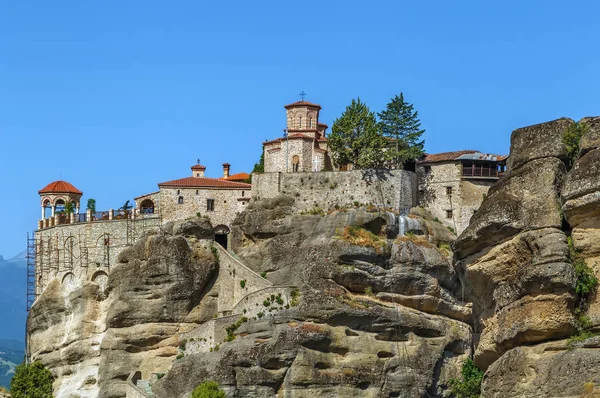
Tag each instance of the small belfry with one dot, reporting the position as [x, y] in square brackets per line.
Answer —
[304, 144]
[56, 195]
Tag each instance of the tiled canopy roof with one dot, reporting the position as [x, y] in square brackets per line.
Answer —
[198, 167]
[455, 155]
[302, 103]
[60, 187]
[195, 182]
[237, 177]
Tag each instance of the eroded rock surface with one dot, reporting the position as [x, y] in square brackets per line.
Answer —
[93, 337]
[379, 320]
[517, 268]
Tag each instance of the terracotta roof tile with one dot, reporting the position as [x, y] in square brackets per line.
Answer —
[454, 155]
[198, 167]
[195, 182]
[282, 139]
[60, 187]
[302, 103]
[237, 177]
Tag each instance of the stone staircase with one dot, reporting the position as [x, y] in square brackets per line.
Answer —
[144, 385]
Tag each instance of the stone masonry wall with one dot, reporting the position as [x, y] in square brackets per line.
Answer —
[231, 273]
[73, 253]
[228, 202]
[464, 199]
[389, 189]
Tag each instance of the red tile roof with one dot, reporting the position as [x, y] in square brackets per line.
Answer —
[454, 155]
[322, 124]
[60, 187]
[282, 139]
[237, 177]
[198, 167]
[302, 103]
[195, 182]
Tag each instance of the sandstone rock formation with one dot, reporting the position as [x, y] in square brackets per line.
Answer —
[93, 337]
[516, 265]
[371, 320]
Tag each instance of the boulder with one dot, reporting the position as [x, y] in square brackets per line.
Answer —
[581, 190]
[591, 139]
[544, 370]
[537, 142]
[527, 198]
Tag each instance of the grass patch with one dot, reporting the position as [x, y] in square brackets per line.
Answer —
[359, 236]
[445, 248]
[419, 240]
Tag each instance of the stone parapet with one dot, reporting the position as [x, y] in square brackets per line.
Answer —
[394, 189]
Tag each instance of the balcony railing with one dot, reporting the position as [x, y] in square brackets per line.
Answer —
[482, 172]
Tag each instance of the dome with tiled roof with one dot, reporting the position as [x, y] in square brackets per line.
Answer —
[60, 186]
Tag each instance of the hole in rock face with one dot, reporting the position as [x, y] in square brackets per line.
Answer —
[385, 354]
[321, 365]
[394, 394]
[364, 385]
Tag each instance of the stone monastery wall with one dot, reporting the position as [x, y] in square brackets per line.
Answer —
[74, 253]
[395, 189]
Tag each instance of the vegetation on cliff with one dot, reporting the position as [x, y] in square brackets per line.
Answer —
[208, 389]
[470, 384]
[32, 381]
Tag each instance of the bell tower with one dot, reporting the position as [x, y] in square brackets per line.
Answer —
[302, 118]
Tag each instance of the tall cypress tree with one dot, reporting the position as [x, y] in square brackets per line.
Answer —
[401, 126]
[355, 138]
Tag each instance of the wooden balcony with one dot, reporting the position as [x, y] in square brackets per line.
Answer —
[481, 172]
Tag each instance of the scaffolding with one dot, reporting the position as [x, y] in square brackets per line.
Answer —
[57, 251]
[31, 258]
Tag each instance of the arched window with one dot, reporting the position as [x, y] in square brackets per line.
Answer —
[178, 192]
[180, 200]
[300, 122]
[295, 163]
[310, 122]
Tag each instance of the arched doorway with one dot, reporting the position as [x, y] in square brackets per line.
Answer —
[147, 207]
[295, 163]
[222, 235]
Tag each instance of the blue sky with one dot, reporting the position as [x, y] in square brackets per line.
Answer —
[116, 96]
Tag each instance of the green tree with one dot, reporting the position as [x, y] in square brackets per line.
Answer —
[208, 389]
[69, 208]
[91, 205]
[470, 385]
[355, 138]
[571, 139]
[31, 381]
[260, 166]
[400, 125]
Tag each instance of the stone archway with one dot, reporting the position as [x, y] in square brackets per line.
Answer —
[101, 278]
[222, 235]
[147, 207]
[69, 281]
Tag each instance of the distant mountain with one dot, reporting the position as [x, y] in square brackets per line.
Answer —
[13, 287]
[11, 354]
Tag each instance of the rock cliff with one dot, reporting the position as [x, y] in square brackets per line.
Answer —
[374, 317]
[518, 261]
[92, 337]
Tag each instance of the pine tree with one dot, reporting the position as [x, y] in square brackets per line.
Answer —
[260, 166]
[355, 138]
[401, 126]
[31, 381]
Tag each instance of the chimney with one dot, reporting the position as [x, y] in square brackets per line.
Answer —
[226, 167]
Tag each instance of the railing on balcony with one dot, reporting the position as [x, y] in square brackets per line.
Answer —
[482, 172]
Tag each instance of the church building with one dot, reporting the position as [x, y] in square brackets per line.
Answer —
[304, 144]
